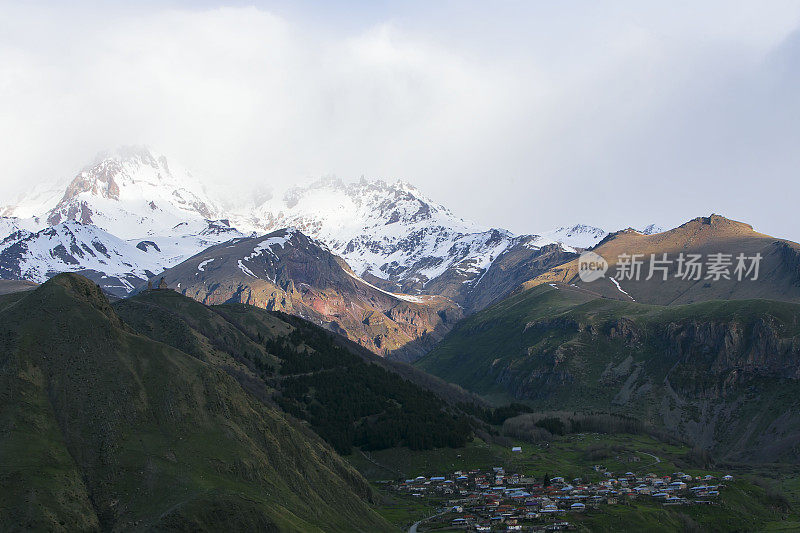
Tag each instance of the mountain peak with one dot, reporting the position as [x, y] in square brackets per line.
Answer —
[138, 153]
[131, 192]
[719, 223]
[577, 236]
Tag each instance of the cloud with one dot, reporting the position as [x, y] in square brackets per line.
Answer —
[522, 116]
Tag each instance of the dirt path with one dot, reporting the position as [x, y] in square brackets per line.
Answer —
[413, 528]
[657, 459]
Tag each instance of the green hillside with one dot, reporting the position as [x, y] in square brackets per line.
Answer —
[349, 396]
[722, 375]
[102, 428]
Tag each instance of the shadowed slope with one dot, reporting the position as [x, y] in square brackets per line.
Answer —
[102, 428]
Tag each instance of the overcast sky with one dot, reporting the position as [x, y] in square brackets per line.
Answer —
[524, 115]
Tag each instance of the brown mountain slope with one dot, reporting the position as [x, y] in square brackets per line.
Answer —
[778, 276]
[287, 271]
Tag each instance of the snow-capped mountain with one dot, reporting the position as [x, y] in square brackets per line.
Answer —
[387, 230]
[117, 265]
[132, 202]
[652, 229]
[187, 239]
[391, 234]
[9, 225]
[578, 236]
[582, 236]
[36, 202]
[132, 193]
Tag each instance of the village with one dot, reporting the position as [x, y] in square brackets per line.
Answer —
[498, 500]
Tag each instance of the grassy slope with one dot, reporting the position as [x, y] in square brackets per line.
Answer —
[104, 428]
[496, 332]
[221, 330]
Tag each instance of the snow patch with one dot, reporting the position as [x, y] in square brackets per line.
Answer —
[404, 297]
[620, 289]
[246, 270]
[201, 267]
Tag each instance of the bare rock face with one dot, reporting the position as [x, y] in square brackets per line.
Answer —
[287, 271]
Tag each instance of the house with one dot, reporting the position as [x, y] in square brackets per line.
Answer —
[517, 449]
[578, 507]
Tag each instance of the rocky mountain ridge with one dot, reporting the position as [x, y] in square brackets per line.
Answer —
[132, 215]
[389, 233]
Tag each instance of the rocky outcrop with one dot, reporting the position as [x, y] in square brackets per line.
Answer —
[735, 353]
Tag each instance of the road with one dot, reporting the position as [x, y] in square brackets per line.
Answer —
[413, 528]
[657, 460]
